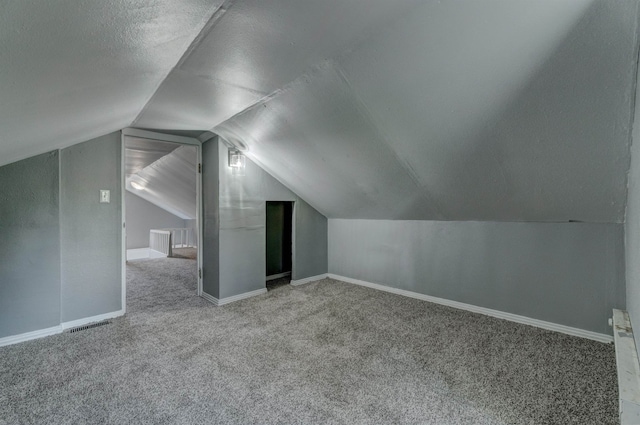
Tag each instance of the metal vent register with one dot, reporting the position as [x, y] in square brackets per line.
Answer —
[93, 325]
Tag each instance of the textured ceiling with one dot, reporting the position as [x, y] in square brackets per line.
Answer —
[454, 109]
[140, 153]
[72, 70]
[461, 110]
[254, 48]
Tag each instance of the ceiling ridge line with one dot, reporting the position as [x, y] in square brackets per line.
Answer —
[202, 33]
[334, 59]
[220, 81]
[267, 98]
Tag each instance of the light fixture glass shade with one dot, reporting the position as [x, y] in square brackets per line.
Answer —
[236, 159]
[137, 186]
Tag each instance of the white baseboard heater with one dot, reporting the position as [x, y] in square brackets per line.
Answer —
[628, 368]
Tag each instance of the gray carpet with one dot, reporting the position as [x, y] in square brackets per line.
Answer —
[325, 352]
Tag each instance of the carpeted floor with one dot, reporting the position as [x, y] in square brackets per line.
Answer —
[325, 352]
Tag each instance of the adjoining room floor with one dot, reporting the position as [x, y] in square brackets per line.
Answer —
[325, 352]
[161, 284]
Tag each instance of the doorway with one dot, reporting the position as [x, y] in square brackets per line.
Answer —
[161, 218]
[279, 243]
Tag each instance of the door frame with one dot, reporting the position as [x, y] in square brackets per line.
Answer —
[161, 137]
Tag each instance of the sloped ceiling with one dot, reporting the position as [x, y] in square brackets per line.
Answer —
[462, 110]
[168, 182]
[73, 70]
[140, 153]
[454, 109]
[255, 48]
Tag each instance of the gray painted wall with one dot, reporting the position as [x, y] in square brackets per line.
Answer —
[30, 252]
[243, 232]
[632, 226]
[311, 249]
[91, 232]
[142, 216]
[566, 273]
[242, 224]
[211, 219]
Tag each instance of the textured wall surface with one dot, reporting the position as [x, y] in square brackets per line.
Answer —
[243, 229]
[242, 225]
[142, 216]
[91, 232]
[30, 252]
[311, 255]
[566, 273]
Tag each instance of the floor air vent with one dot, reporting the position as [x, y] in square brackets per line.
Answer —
[93, 325]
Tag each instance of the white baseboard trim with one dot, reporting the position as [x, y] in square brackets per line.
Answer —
[223, 301]
[14, 339]
[92, 319]
[308, 279]
[137, 253]
[482, 310]
[27, 336]
[239, 297]
[213, 300]
[278, 276]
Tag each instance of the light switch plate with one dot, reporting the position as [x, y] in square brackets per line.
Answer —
[105, 196]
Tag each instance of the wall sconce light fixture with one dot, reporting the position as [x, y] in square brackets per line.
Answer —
[236, 159]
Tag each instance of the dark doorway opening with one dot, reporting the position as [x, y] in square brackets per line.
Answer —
[279, 239]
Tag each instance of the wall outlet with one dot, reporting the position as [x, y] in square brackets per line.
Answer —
[105, 196]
